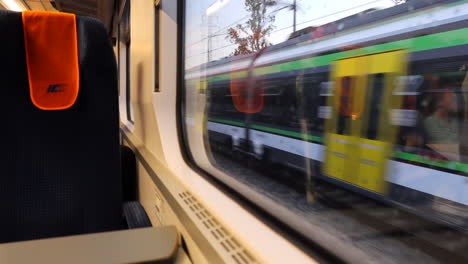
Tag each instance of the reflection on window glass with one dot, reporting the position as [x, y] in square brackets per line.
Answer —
[348, 116]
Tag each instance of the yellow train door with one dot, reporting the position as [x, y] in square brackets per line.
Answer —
[359, 136]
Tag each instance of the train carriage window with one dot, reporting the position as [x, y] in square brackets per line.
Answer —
[409, 87]
[435, 130]
[312, 90]
[278, 95]
[324, 111]
[368, 168]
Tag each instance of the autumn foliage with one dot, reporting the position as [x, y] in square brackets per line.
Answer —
[251, 36]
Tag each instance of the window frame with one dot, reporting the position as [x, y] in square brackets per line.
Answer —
[124, 69]
[157, 37]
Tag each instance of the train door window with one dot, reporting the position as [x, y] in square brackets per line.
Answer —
[125, 59]
[345, 101]
[375, 96]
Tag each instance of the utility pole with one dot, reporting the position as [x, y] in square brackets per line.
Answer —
[294, 16]
[292, 7]
[211, 22]
[209, 39]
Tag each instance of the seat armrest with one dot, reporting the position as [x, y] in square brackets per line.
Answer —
[153, 245]
[129, 173]
[135, 215]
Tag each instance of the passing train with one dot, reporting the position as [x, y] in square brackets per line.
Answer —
[367, 100]
[213, 131]
[93, 167]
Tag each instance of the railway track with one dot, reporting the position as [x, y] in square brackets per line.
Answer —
[443, 242]
[446, 244]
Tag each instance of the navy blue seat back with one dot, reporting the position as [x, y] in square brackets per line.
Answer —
[59, 170]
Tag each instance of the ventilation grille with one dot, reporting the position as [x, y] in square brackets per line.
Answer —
[231, 247]
[158, 206]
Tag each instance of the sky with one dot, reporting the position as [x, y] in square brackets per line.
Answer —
[199, 25]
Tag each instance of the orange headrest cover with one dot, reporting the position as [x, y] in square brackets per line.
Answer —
[52, 57]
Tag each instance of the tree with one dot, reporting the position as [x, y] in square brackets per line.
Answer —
[251, 36]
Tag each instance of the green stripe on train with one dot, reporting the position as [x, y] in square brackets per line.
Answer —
[452, 165]
[288, 133]
[433, 41]
[270, 129]
[229, 122]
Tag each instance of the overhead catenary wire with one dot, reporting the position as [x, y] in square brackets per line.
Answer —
[275, 31]
[233, 23]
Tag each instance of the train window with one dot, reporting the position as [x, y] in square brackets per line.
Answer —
[435, 131]
[325, 111]
[343, 120]
[345, 104]
[157, 22]
[125, 60]
[376, 93]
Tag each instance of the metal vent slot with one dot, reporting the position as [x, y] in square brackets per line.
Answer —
[232, 248]
[158, 206]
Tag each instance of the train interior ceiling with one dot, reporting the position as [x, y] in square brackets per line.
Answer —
[234, 131]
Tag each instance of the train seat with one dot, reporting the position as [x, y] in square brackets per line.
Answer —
[60, 157]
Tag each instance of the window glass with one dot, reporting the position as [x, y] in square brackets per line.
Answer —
[344, 120]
